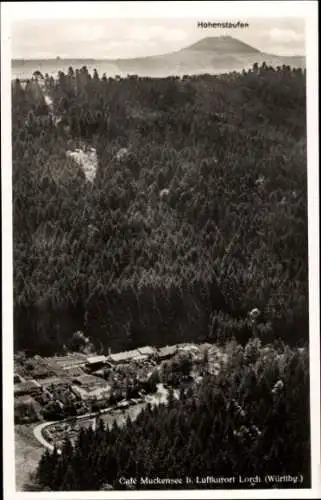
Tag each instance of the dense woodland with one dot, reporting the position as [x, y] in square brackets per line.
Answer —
[197, 215]
[202, 218]
[249, 420]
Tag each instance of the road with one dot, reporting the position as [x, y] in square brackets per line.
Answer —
[161, 396]
[37, 432]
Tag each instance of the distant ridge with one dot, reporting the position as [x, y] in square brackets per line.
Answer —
[213, 55]
[222, 44]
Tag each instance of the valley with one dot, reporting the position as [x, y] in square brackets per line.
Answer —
[160, 249]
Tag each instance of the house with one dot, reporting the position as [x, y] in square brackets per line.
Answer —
[89, 387]
[74, 371]
[167, 352]
[96, 362]
[30, 387]
[89, 381]
[188, 348]
[69, 361]
[146, 350]
[92, 394]
[124, 357]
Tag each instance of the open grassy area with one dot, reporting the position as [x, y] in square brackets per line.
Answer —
[28, 452]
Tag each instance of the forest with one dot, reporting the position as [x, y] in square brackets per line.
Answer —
[197, 213]
[196, 217]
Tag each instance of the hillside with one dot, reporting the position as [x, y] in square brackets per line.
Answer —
[191, 229]
[197, 213]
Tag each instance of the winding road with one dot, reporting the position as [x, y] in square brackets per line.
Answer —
[161, 396]
[37, 432]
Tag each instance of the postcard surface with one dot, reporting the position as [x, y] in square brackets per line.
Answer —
[160, 242]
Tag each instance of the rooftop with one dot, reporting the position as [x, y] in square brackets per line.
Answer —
[168, 350]
[25, 387]
[23, 400]
[68, 360]
[96, 359]
[146, 350]
[124, 356]
[46, 382]
[90, 382]
[73, 371]
[188, 347]
[87, 393]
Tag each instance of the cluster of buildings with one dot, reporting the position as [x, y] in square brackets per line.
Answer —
[79, 383]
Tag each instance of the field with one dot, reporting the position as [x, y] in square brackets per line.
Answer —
[27, 454]
[28, 449]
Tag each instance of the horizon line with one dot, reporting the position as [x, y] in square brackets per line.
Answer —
[150, 56]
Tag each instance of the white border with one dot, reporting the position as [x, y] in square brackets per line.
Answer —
[141, 9]
[307, 10]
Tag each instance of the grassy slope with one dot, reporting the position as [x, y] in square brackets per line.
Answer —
[27, 453]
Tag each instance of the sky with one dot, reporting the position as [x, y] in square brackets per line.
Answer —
[122, 38]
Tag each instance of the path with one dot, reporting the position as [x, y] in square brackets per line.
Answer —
[37, 432]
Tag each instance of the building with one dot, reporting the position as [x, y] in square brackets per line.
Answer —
[89, 381]
[147, 350]
[74, 371]
[89, 387]
[96, 362]
[67, 362]
[51, 381]
[125, 357]
[29, 387]
[167, 352]
[188, 348]
[92, 394]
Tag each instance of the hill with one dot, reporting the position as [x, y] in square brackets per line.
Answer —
[221, 44]
[211, 55]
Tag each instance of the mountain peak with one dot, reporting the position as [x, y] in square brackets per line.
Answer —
[222, 44]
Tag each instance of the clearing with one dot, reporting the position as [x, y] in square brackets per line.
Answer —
[28, 452]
